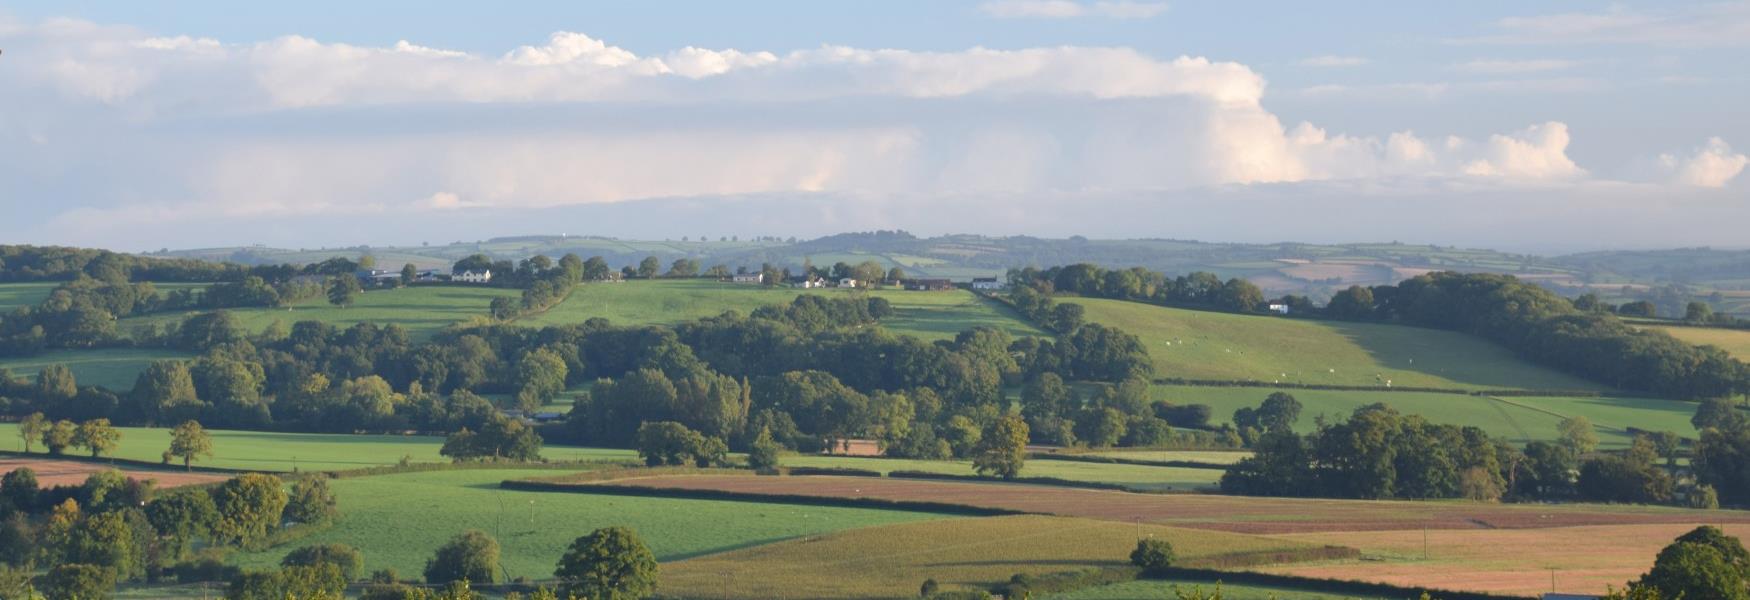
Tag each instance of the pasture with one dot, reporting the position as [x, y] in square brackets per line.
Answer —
[422, 310]
[1518, 419]
[891, 561]
[930, 315]
[15, 295]
[113, 368]
[1192, 344]
[1734, 341]
[1214, 457]
[1137, 477]
[271, 451]
[398, 520]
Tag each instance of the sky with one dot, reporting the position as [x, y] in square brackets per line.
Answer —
[1547, 127]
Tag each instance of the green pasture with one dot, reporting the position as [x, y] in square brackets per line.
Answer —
[271, 451]
[930, 315]
[1517, 419]
[1214, 457]
[397, 521]
[1221, 346]
[1139, 477]
[113, 368]
[14, 295]
[423, 310]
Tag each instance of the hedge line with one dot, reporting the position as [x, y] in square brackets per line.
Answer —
[839, 471]
[1375, 388]
[1333, 586]
[692, 494]
[1094, 458]
[1096, 485]
[125, 462]
[425, 467]
[1238, 560]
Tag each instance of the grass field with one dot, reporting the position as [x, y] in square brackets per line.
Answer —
[1216, 457]
[397, 521]
[14, 295]
[931, 315]
[1209, 345]
[891, 561]
[113, 368]
[1155, 590]
[422, 310]
[269, 451]
[1137, 477]
[1517, 419]
[1734, 341]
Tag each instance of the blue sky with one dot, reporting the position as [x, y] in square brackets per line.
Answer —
[211, 120]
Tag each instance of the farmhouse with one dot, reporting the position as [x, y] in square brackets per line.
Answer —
[922, 285]
[849, 282]
[481, 276]
[987, 284]
[749, 278]
[807, 282]
[1279, 308]
[853, 447]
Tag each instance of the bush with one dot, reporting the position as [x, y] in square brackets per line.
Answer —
[929, 588]
[209, 566]
[311, 502]
[1152, 555]
[85, 582]
[343, 557]
[471, 555]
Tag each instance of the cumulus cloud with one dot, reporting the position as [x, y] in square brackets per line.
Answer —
[1713, 165]
[1069, 9]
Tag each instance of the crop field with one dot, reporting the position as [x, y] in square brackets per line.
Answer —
[1582, 559]
[1236, 514]
[891, 561]
[423, 310]
[1214, 457]
[397, 521]
[51, 472]
[14, 295]
[930, 315]
[1138, 477]
[1145, 589]
[1209, 345]
[113, 368]
[270, 451]
[1517, 419]
[1734, 341]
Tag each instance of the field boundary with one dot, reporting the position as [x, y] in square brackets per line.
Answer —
[798, 499]
[1530, 393]
[1313, 584]
[1095, 458]
[131, 463]
[1045, 481]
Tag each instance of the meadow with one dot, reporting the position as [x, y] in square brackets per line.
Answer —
[113, 368]
[1734, 341]
[1214, 457]
[891, 561]
[1518, 419]
[929, 315]
[15, 295]
[1191, 344]
[271, 451]
[398, 520]
[423, 310]
[1137, 477]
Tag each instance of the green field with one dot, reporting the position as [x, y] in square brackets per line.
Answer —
[397, 521]
[14, 295]
[1734, 341]
[931, 315]
[269, 451]
[1217, 457]
[423, 310]
[1220, 346]
[1517, 419]
[113, 368]
[1155, 589]
[1140, 477]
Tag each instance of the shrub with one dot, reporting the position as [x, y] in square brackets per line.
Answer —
[1154, 556]
[343, 557]
[85, 582]
[471, 555]
[610, 563]
[311, 502]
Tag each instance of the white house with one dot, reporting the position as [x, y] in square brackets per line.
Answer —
[1279, 308]
[481, 276]
[987, 284]
[849, 283]
[807, 282]
[749, 277]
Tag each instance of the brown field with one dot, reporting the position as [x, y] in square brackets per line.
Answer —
[1223, 513]
[890, 561]
[1512, 561]
[50, 472]
[1319, 271]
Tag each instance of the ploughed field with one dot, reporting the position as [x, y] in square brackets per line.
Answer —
[1201, 345]
[1136, 477]
[53, 472]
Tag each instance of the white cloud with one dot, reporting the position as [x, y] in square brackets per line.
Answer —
[1329, 60]
[1508, 67]
[1713, 165]
[1535, 153]
[1069, 9]
[1709, 24]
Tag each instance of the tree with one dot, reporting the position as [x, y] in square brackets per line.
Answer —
[98, 436]
[1152, 555]
[55, 384]
[343, 290]
[181, 517]
[1578, 435]
[165, 389]
[311, 501]
[59, 436]
[1002, 449]
[1718, 413]
[345, 558]
[1278, 412]
[322, 581]
[1353, 303]
[540, 376]
[763, 454]
[18, 490]
[189, 442]
[470, 556]
[409, 274]
[1698, 312]
[84, 582]
[106, 540]
[671, 443]
[32, 428]
[611, 563]
[1703, 563]
[896, 274]
[249, 506]
[648, 267]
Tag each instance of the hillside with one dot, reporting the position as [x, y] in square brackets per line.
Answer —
[1734, 341]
